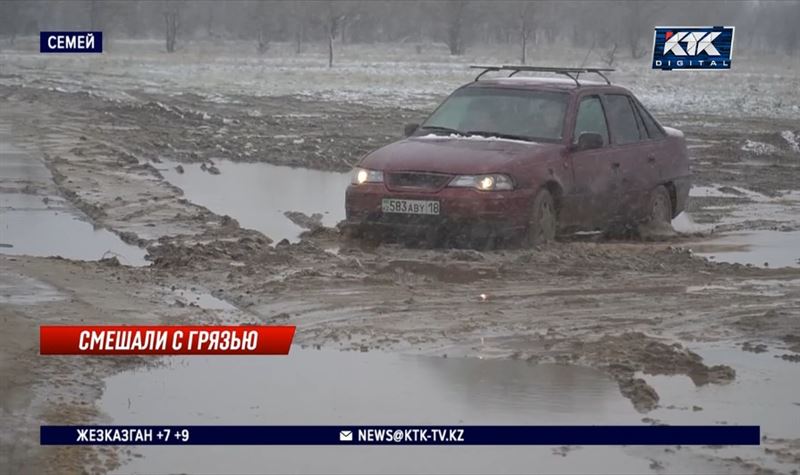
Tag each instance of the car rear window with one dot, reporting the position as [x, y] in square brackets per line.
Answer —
[533, 115]
[653, 130]
[624, 129]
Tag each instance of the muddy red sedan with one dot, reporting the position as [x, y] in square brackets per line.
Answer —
[524, 159]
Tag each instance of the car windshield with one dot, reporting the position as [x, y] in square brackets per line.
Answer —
[507, 113]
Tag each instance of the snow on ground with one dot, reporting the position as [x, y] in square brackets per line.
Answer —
[728, 191]
[792, 139]
[758, 85]
[759, 148]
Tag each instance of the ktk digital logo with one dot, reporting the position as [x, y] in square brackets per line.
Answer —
[71, 42]
[694, 48]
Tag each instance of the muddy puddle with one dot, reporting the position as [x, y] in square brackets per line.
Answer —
[764, 393]
[199, 298]
[35, 221]
[258, 194]
[744, 226]
[327, 387]
[349, 388]
[757, 248]
[43, 232]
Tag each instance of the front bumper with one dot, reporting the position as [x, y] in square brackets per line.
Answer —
[462, 211]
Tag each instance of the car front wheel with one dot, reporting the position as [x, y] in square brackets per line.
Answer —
[543, 220]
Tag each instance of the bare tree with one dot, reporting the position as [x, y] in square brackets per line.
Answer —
[791, 21]
[263, 41]
[771, 25]
[298, 14]
[527, 27]
[332, 23]
[172, 22]
[94, 15]
[9, 19]
[455, 16]
[210, 14]
[609, 56]
[101, 17]
[605, 34]
[549, 19]
[337, 16]
[636, 26]
[262, 26]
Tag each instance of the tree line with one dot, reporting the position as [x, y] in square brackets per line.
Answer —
[612, 28]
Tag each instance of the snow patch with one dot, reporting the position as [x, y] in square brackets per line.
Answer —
[792, 139]
[725, 191]
[759, 148]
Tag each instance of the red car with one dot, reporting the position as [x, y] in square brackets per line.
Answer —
[524, 158]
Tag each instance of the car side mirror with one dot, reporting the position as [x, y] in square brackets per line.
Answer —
[589, 141]
[410, 129]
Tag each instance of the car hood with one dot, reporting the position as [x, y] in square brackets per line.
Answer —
[455, 155]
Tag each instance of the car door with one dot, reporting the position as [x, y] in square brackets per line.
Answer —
[634, 160]
[587, 206]
[658, 154]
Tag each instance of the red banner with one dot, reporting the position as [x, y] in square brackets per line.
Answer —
[164, 340]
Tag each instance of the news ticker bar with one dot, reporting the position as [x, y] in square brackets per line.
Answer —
[399, 435]
[165, 339]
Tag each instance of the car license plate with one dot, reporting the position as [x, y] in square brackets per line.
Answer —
[391, 205]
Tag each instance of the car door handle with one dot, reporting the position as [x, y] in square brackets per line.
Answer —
[615, 165]
[651, 159]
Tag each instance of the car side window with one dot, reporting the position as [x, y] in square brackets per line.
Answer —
[649, 123]
[591, 118]
[624, 128]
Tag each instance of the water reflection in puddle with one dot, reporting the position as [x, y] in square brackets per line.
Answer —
[341, 388]
[765, 392]
[257, 194]
[773, 248]
[35, 221]
[46, 233]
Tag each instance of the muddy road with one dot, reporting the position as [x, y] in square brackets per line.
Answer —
[166, 176]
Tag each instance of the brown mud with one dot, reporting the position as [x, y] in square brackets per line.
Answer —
[624, 307]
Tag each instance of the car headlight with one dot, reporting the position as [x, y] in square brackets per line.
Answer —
[483, 182]
[362, 175]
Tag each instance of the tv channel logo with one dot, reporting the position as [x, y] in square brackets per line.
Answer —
[693, 48]
[71, 42]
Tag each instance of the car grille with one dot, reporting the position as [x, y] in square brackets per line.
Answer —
[432, 181]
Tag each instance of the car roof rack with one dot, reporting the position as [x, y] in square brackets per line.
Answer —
[572, 73]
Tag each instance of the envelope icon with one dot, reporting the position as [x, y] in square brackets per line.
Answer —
[345, 435]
